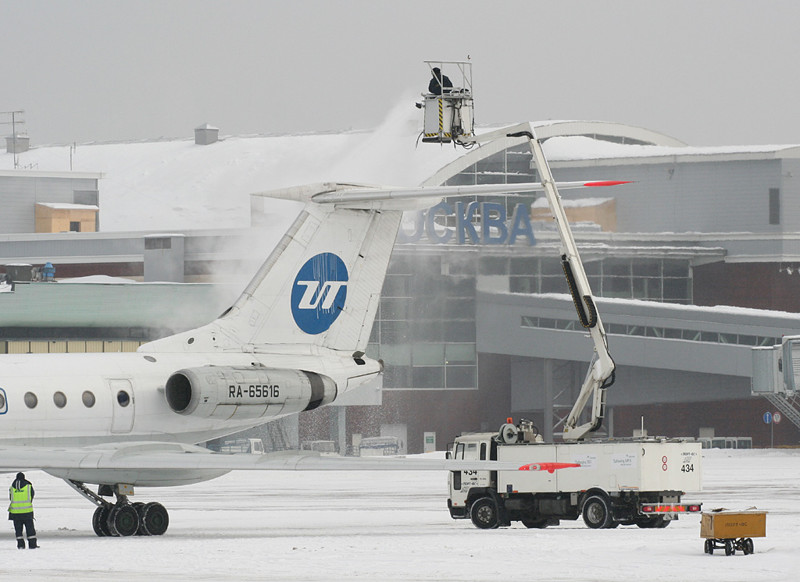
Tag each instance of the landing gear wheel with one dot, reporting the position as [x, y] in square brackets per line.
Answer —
[123, 521]
[483, 513]
[709, 546]
[597, 512]
[729, 549]
[155, 519]
[100, 521]
[139, 507]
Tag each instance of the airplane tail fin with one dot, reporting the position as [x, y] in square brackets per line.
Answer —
[319, 287]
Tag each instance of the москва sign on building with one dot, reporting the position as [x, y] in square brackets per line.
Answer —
[494, 228]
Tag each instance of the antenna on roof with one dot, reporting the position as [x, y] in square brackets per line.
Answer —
[12, 145]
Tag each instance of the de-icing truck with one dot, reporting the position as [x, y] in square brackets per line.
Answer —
[609, 482]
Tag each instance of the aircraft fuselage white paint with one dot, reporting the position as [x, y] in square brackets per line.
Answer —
[147, 416]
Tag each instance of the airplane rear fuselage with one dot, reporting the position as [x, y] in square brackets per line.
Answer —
[87, 399]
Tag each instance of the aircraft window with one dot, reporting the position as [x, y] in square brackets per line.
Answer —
[30, 400]
[123, 398]
[2, 401]
[88, 399]
[60, 399]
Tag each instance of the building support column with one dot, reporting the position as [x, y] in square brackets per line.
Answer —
[291, 424]
[610, 421]
[339, 428]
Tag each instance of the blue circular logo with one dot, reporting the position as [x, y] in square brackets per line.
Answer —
[319, 293]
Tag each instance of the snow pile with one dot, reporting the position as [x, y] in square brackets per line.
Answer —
[99, 280]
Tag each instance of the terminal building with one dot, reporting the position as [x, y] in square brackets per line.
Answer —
[695, 263]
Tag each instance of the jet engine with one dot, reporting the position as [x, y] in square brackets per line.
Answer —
[225, 392]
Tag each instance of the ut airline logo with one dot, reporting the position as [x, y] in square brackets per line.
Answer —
[319, 293]
[324, 299]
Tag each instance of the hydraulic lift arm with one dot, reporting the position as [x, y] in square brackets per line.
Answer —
[601, 369]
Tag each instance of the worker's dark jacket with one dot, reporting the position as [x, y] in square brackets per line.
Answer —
[436, 88]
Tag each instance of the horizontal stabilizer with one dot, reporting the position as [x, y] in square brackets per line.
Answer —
[361, 196]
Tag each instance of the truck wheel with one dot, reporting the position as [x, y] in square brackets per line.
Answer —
[534, 522]
[597, 512]
[657, 522]
[483, 513]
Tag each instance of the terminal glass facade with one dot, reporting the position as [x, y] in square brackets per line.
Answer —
[425, 325]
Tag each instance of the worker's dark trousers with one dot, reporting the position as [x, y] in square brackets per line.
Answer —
[27, 521]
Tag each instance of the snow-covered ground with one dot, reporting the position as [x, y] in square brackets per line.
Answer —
[395, 526]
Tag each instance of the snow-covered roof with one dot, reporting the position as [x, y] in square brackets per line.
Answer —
[6, 170]
[579, 142]
[618, 132]
[65, 206]
[175, 185]
[576, 148]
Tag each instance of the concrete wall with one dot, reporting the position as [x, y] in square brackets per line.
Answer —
[715, 196]
[164, 257]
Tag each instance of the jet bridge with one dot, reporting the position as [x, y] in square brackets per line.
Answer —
[776, 376]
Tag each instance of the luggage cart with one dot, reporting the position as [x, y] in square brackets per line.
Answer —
[732, 530]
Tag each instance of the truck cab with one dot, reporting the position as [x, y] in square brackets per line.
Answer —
[463, 484]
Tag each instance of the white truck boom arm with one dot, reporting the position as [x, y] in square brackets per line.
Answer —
[601, 368]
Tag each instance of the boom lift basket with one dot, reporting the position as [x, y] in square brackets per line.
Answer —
[449, 114]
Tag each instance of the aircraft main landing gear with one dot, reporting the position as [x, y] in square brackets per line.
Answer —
[122, 519]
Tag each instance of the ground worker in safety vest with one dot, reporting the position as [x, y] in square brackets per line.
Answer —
[20, 511]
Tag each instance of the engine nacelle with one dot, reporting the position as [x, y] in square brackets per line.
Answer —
[246, 392]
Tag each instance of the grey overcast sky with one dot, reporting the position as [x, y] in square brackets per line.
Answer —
[709, 72]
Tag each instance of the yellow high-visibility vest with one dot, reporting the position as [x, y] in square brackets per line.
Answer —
[21, 500]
